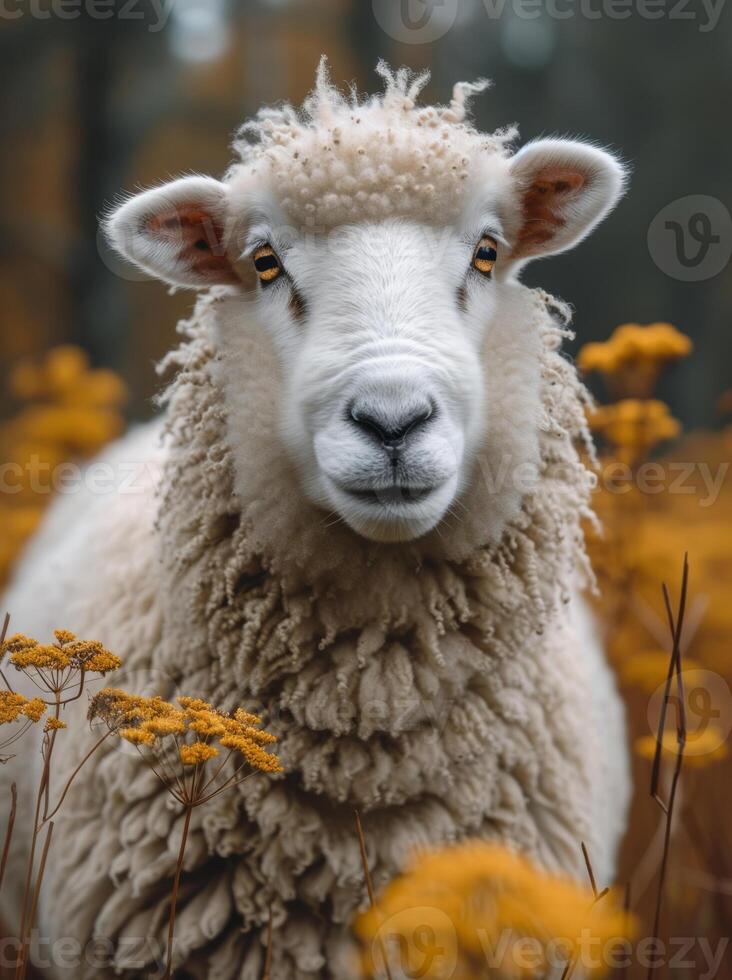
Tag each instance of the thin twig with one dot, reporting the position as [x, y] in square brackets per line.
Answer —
[588, 865]
[369, 885]
[268, 955]
[3, 634]
[673, 667]
[9, 831]
[73, 776]
[676, 626]
[39, 882]
[626, 913]
[597, 896]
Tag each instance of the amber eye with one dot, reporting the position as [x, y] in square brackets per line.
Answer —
[266, 263]
[485, 255]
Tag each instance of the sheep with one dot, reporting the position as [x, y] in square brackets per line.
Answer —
[361, 514]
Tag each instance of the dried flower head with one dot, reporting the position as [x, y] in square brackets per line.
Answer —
[634, 426]
[14, 706]
[68, 653]
[54, 724]
[632, 344]
[193, 755]
[150, 721]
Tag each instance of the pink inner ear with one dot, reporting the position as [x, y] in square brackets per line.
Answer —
[198, 238]
[543, 207]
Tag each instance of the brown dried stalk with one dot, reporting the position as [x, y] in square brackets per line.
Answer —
[31, 891]
[626, 910]
[174, 896]
[42, 816]
[597, 897]
[268, 956]
[9, 831]
[676, 625]
[190, 796]
[369, 885]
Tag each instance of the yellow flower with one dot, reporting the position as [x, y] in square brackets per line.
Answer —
[154, 717]
[138, 736]
[42, 656]
[255, 756]
[70, 412]
[91, 656]
[194, 704]
[13, 705]
[67, 653]
[634, 425]
[198, 752]
[455, 905]
[54, 724]
[64, 636]
[206, 723]
[165, 725]
[632, 344]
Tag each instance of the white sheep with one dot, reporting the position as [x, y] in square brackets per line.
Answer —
[361, 515]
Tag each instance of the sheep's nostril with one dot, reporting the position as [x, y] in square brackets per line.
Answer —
[392, 433]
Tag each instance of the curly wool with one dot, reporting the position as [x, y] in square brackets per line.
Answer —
[339, 160]
[443, 697]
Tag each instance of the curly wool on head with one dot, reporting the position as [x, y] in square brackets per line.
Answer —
[339, 159]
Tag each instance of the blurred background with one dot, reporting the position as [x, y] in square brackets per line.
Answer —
[99, 97]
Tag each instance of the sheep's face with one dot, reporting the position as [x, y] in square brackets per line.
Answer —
[378, 329]
[381, 326]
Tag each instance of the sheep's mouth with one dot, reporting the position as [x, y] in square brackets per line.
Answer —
[391, 513]
[392, 496]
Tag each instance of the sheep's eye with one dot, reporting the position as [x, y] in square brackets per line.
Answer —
[266, 263]
[485, 255]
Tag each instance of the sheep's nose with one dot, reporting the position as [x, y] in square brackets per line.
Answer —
[392, 429]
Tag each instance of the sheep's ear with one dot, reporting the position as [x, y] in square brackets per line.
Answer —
[176, 232]
[565, 188]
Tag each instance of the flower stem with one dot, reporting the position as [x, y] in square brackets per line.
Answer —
[174, 896]
[9, 831]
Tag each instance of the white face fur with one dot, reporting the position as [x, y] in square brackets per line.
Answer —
[379, 327]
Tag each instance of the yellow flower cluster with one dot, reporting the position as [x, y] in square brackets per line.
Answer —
[69, 411]
[68, 653]
[198, 752]
[14, 706]
[146, 721]
[634, 426]
[54, 725]
[632, 344]
[456, 905]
